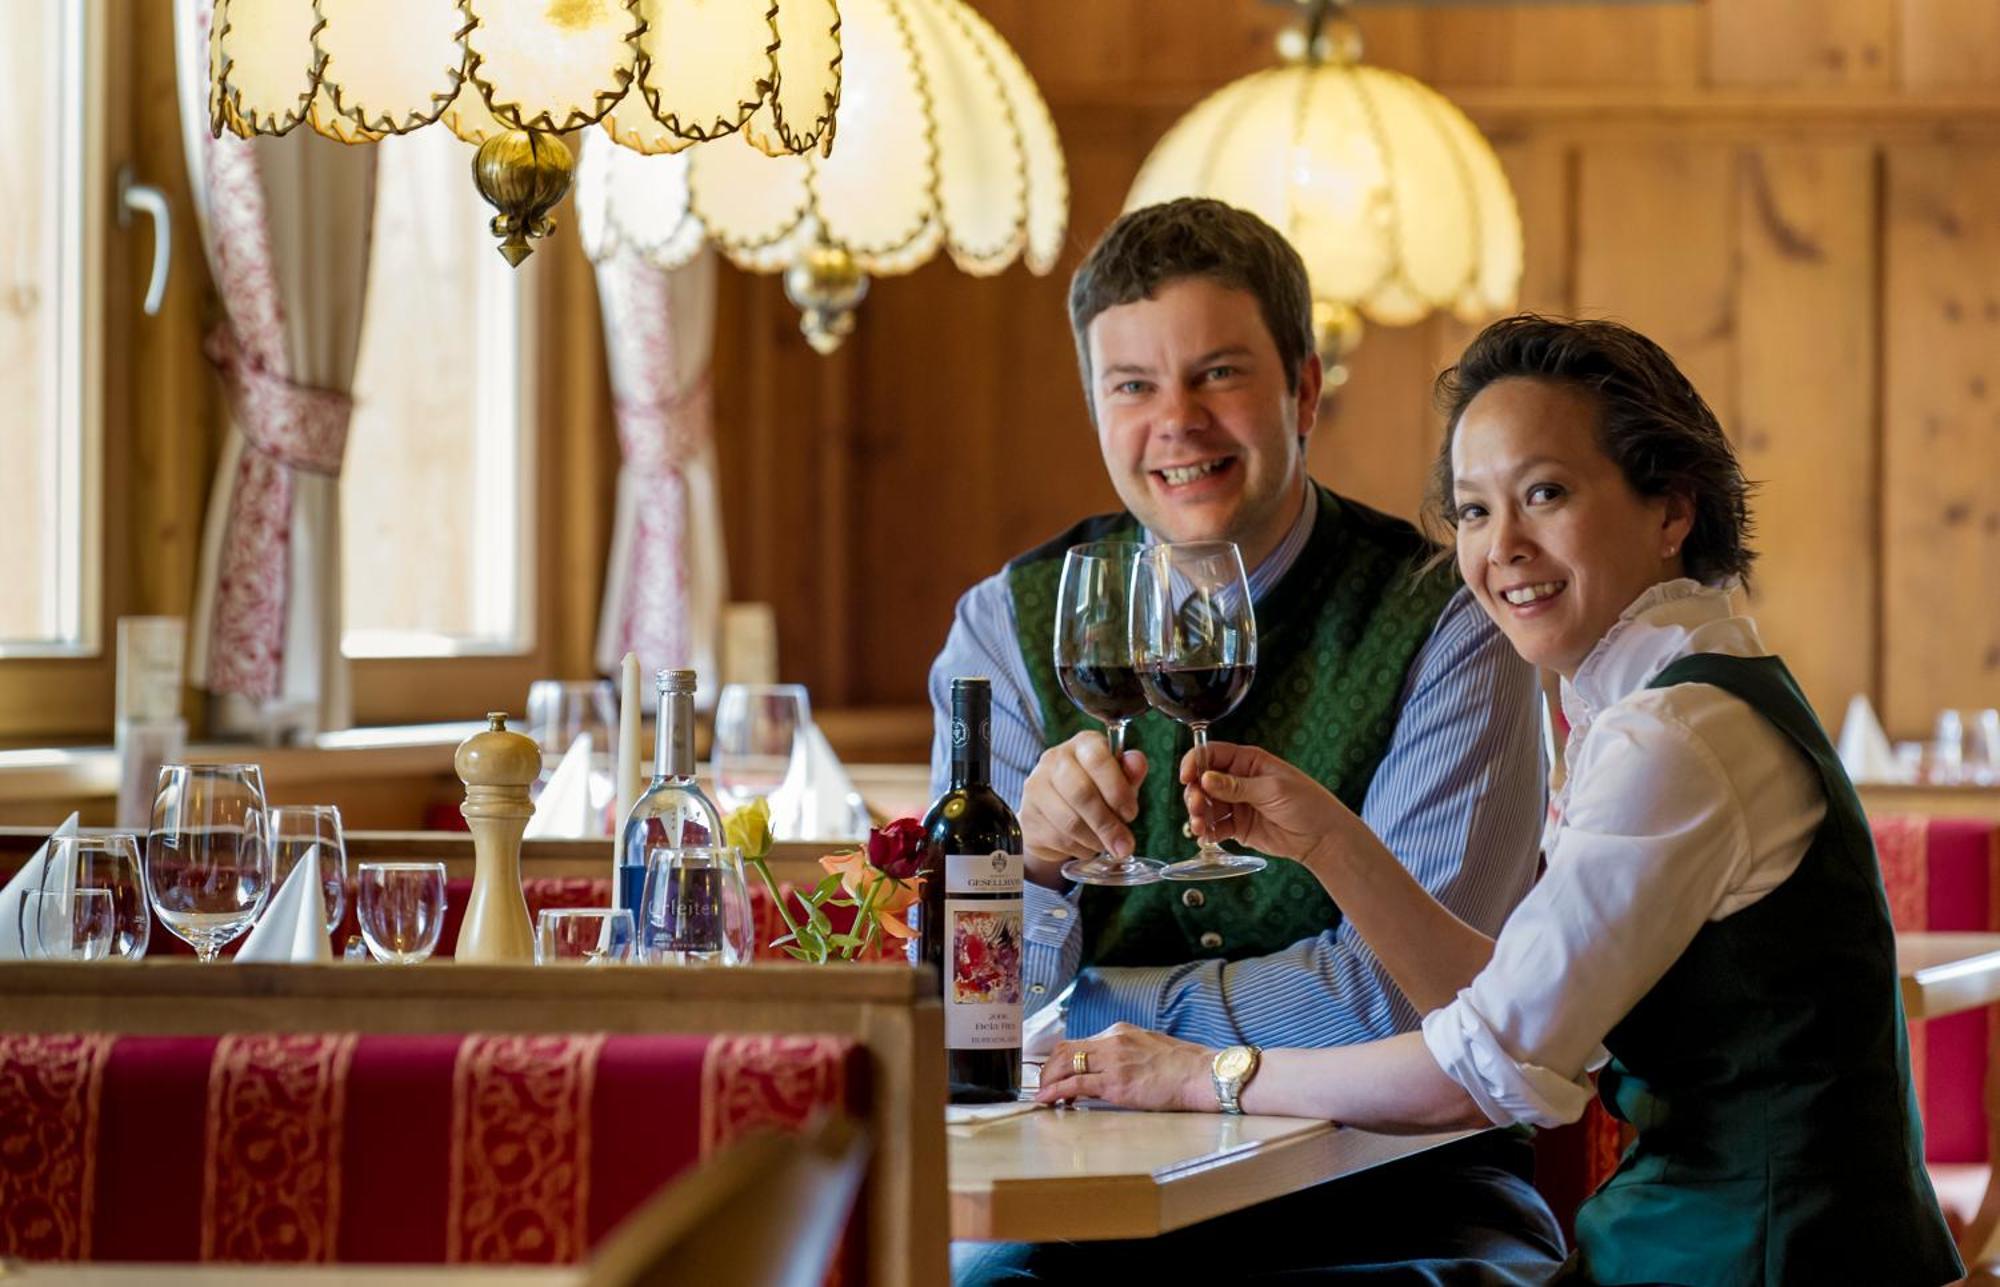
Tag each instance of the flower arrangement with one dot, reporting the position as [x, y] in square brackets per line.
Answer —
[879, 882]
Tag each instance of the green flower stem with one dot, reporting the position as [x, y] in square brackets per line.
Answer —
[764, 873]
[865, 914]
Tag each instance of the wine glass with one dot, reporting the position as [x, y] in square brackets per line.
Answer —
[695, 909]
[400, 906]
[108, 862]
[760, 750]
[1094, 665]
[562, 710]
[77, 924]
[208, 857]
[592, 935]
[1194, 640]
[296, 828]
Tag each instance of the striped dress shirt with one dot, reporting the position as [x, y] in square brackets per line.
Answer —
[1458, 798]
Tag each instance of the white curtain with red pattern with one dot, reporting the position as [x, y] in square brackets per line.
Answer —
[667, 579]
[285, 223]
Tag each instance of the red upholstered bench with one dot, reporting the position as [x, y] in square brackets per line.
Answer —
[378, 1148]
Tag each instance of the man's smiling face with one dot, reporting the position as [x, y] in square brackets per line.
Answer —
[1201, 434]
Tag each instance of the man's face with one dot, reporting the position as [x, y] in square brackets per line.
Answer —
[1201, 434]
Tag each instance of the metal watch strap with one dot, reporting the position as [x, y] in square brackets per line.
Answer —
[1229, 1093]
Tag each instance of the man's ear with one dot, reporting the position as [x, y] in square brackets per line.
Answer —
[1312, 379]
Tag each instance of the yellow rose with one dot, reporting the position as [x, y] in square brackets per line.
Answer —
[749, 828]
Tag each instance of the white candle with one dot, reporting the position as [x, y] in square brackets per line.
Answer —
[628, 752]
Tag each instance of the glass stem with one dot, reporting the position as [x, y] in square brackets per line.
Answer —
[1114, 732]
[1205, 849]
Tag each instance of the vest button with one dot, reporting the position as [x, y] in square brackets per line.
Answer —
[1193, 898]
[1211, 940]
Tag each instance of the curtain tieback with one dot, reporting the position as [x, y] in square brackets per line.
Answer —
[654, 437]
[298, 425]
[286, 427]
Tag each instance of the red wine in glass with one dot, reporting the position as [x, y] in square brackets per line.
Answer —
[1093, 656]
[1194, 640]
[1195, 694]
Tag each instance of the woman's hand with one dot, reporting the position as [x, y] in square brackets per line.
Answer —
[1251, 796]
[1133, 1068]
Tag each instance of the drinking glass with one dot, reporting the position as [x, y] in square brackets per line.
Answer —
[109, 862]
[296, 828]
[78, 924]
[760, 750]
[1094, 665]
[695, 909]
[592, 935]
[208, 856]
[401, 909]
[562, 710]
[1194, 640]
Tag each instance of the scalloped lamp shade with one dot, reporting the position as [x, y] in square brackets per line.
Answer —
[660, 74]
[944, 142]
[1394, 199]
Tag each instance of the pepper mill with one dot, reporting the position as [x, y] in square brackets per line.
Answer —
[496, 767]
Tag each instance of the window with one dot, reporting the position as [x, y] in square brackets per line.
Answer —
[50, 246]
[436, 500]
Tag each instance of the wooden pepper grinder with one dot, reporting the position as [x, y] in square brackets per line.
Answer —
[496, 767]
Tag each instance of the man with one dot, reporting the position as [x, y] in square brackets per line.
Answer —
[1376, 674]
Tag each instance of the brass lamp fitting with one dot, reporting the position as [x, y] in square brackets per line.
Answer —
[826, 285]
[522, 174]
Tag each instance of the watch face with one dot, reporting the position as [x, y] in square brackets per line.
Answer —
[1232, 1063]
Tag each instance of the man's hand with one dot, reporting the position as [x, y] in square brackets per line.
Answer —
[1077, 803]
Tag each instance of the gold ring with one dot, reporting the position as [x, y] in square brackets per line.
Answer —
[1080, 1061]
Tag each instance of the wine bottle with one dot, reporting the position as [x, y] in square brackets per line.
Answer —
[970, 921]
[672, 813]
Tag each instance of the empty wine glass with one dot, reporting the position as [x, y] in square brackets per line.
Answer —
[760, 750]
[296, 828]
[592, 935]
[1194, 640]
[695, 909]
[77, 924]
[208, 857]
[562, 710]
[1094, 665]
[401, 909]
[108, 862]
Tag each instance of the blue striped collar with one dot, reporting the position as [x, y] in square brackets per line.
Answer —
[1279, 561]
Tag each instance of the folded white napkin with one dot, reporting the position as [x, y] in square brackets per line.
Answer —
[1864, 748]
[29, 877]
[293, 926]
[563, 810]
[980, 1114]
[818, 800]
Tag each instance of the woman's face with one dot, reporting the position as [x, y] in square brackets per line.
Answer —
[1552, 540]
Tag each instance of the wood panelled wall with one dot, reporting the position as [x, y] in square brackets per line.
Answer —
[1799, 198]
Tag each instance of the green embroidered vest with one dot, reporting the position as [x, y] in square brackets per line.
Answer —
[1768, 1073]
[1335, 638]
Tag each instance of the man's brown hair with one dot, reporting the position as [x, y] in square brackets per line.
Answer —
[1195, 237]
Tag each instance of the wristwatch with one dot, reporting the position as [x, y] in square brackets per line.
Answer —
[1231, 1070]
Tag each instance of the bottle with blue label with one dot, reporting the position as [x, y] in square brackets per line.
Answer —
[673, 812]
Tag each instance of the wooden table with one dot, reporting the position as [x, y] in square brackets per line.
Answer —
[1092, 1173]
[1945, 974]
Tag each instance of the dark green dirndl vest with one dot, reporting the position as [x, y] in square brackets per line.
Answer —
[1335, 638]
[1768, 1073]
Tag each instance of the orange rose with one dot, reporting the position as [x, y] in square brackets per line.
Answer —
[886, 898]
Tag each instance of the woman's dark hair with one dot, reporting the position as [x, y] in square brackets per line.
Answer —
[1650, 422]
[1196, 237]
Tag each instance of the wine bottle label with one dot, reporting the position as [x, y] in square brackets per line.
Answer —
[988, 873]
[983, 998]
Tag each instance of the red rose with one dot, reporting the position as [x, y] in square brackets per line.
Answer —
[897, 850]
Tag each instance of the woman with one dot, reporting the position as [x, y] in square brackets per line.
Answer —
[1711, 914]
